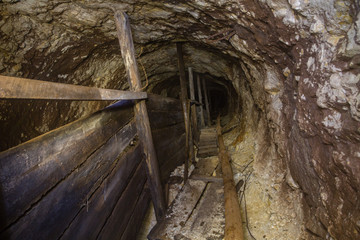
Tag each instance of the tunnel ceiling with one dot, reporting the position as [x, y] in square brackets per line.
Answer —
[293, 65]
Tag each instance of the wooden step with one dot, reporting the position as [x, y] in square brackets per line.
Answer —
[210, 146]
[208, 143]
[207, 154]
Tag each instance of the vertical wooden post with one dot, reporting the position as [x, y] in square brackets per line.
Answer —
[195, 131]
[202, 121]
[233, 223]
[206, 103]
[184, 101]
[141, 114]
[190, 137]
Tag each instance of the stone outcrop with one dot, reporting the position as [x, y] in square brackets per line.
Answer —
[295, 66]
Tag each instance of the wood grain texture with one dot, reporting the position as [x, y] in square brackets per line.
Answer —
[141, 114]
[30, 170]
[116, 224]
[206, 103]
[195, 129]
[162, 119]
[233, 222]
[92, 217]
[202, 119]
[184, 103]
[137, 216]
[23, 88]
[56, 209]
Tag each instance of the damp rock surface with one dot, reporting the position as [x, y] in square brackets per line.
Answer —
[294, 67]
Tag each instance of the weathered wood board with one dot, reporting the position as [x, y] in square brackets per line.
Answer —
[160, 103]
[207, 220]
[55, 209]
[30, 170]
[119, 218]
[179, 214]
[68, 183]
[94, 213]
[141, 114]
[162, 119]
[137, 216]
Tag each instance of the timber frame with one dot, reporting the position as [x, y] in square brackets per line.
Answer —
[75, 170]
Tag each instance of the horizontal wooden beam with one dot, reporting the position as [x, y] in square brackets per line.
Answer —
[23, 88]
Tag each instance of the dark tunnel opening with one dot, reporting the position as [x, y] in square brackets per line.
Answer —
[222, 97]
[218, 103]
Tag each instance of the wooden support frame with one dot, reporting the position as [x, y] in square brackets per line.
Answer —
[206, 102]
[141, 114]
[195, 132]
[23, 88]
[202, 120]
[185, 105]
[233, 223]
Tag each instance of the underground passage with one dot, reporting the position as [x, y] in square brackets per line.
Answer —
[182, 120]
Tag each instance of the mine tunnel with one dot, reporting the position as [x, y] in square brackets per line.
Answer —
[116, 131]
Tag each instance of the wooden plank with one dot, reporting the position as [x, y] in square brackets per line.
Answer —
[190, 137]
[195, 129]
[141, 114]
[164, 119]
[205, 167]
[207, 220]
[23, 88]
[31, 169]
[206, 154]
[163, 134]
[184, 102]
[117, 222]
[160, 103]
[178, 211]
[206, 103]
[134, 224]
[202, 120]
[183, 206]
[170, 164]
[48, 218]
[172, 145]
[211, 145]
[99, 206]
[233, 222]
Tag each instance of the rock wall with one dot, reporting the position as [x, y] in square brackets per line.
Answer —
[294, 65]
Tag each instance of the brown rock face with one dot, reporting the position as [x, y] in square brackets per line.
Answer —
[290, 69]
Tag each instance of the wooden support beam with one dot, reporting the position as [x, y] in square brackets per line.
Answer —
[184, 101]
[23, 88]
[206, 102]
[202, 121]
[233, 223]
[195, 129]
[141, 114]
[190, 136]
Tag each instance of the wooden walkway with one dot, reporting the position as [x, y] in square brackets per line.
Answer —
[198, 210]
